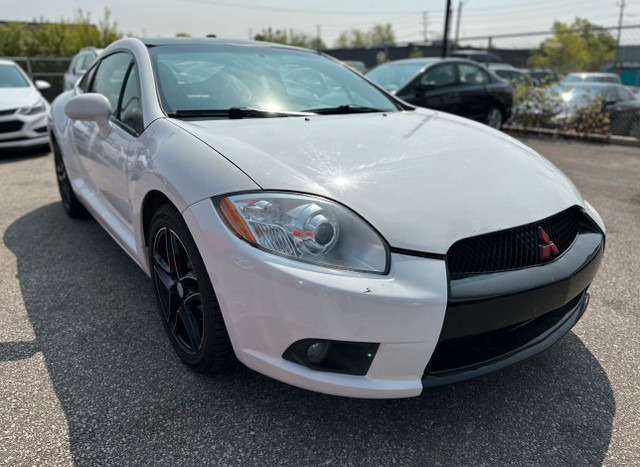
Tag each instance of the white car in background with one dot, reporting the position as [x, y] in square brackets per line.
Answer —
[328, 235]
[23, 110]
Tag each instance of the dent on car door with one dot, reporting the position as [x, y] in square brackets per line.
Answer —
[475, 100]
[437, 88]
[106, 157]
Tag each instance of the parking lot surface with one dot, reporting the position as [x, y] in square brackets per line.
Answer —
[88, 377]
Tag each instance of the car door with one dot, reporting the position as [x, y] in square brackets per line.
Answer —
[473, 93]
[105, 158]
[436, 89]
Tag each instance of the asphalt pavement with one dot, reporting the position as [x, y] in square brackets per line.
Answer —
[88, 377]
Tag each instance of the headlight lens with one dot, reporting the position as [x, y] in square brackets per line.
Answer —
[33, 109]
[305, 228]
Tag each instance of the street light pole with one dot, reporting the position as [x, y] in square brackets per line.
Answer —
[445, 38]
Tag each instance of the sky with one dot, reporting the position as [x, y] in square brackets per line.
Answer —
[239, 18]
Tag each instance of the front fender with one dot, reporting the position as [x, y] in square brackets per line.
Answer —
[170, 160]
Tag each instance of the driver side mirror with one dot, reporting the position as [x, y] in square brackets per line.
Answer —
[42, 85]
[91, 107]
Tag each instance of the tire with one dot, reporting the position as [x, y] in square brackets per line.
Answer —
[185, 298]
[72, 206]
[494, 118]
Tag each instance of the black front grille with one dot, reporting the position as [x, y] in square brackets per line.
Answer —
[8, 111]
[515, 248]
[462, 353]
[10, 126]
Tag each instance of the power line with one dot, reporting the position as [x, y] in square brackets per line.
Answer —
[298, 10]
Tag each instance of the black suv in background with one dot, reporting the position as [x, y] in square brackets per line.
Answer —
[458, 86]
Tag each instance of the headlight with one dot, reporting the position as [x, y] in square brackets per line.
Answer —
[33, 109]
[305, 228]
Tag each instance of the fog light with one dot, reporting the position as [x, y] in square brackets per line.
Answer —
[351, 358]
[318, 352]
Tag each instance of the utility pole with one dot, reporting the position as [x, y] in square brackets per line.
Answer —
[425, 23]
[250, 34]
[445, 37]
[458, 16]
[319, 36]
[622, 2]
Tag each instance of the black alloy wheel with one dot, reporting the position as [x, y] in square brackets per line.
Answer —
[72, 206]
[186, 301]
[178, 290]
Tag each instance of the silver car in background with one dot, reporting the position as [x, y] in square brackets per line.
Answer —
[79, 64]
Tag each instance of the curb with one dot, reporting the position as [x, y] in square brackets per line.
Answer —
[573, 135]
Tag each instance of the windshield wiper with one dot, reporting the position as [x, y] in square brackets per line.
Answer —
[345, 109]
[237, 112]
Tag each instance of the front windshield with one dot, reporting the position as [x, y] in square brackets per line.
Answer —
[10, 77]
[200, 78]
[393, 76]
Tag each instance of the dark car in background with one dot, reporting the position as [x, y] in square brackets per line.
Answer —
[458, 86]
[512, 74]
[591, 77]
[619, 102]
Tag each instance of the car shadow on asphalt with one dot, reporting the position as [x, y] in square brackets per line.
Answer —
[12, 155]
[129, 400]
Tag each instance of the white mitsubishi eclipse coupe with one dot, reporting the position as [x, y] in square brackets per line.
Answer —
[295, 216]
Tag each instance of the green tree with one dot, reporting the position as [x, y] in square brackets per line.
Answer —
[416, 53]
[282, 36]
[380, 34]
[14, 39]
[107, 29]
[581, 46]
[62, 38]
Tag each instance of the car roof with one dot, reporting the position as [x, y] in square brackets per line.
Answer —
[92, 49]
[164, 41]
[591, 84]
[430, 60]
[4, 61]
[504, 66]
[592, 73]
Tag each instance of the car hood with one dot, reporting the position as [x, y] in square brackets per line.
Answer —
[12, 98]
[423, 179]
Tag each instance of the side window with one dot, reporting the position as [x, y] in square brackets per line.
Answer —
[624, 94]
[109, 77]
[83, 84]
[74, 62]
[610, 96]
[471, 74]
[81, 63]
[441, 75]
[130, 111]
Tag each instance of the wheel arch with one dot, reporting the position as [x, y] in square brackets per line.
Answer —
[150, 204]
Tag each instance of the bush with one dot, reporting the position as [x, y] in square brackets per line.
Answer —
[543, 107]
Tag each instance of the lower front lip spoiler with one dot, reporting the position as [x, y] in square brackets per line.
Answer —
[531, 348]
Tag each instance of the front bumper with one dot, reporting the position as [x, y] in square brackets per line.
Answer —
[269, 303]
[22, 131]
